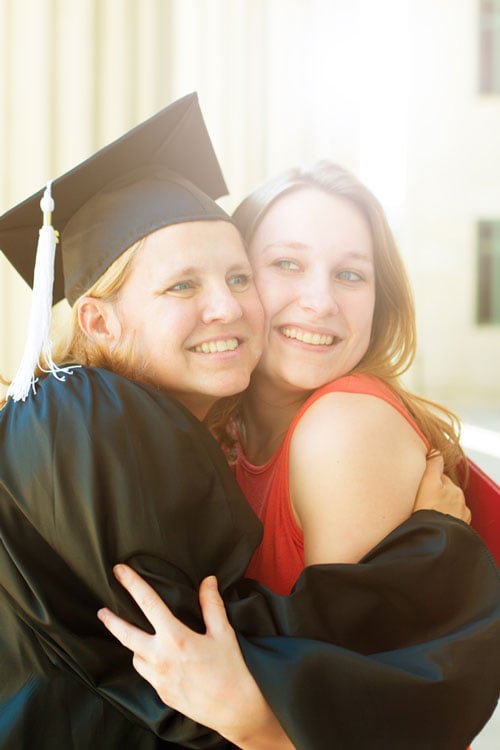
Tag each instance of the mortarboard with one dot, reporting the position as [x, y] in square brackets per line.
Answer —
[162, 172]
[140, 166]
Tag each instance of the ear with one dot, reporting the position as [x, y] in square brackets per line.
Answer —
[99, 322]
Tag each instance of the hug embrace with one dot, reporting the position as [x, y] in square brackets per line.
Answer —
[226, 402]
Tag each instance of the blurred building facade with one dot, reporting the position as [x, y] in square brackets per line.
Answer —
[452, 216]
[403, 92]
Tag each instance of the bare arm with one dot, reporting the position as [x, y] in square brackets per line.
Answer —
[355, 467]
[203, 676]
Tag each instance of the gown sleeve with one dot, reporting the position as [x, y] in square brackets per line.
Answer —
[98, 470]
[411, 643]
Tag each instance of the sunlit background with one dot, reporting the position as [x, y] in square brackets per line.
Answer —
[406, 93]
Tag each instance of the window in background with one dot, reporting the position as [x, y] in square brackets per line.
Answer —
[488, 287]
[489, 46]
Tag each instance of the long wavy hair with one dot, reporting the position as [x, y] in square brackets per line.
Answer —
[393, 339]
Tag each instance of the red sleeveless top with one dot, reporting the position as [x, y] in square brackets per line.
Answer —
[279, 559]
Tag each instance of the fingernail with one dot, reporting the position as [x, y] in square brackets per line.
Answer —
[101, 614]
[119, 571]
[212, 583]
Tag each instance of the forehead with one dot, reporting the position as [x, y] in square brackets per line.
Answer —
[203, 244]
[311, 216]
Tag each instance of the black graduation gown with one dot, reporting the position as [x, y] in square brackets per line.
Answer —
[400, 651]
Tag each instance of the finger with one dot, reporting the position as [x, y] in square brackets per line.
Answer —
[447, 482]
[129, 636]
[212, 607]
[435, 463]
[146, 598]
[433, 452]
[434, 469]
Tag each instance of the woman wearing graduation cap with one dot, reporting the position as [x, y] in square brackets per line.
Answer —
[99, 464]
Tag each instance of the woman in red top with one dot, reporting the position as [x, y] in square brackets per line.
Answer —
[330, 448]
[337, 301]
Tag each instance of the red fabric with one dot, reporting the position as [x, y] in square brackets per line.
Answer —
[279, 559]
[483, 499]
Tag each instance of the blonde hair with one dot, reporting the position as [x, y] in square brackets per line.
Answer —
[393, 339]
[73, 346]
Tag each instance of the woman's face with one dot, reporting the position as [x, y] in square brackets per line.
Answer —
[192, 312]
[312, 256]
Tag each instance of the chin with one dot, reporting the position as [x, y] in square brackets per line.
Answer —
[236, 388]
[230, 387]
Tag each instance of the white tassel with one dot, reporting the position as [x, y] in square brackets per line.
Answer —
[38, 340]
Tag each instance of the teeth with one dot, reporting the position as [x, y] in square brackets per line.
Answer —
[318, 339]
[210, 347]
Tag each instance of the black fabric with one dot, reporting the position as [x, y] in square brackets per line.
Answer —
[416, 662]
[401, 651]
[123, 212]
[171, 172]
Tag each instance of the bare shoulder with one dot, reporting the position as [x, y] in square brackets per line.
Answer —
[355, 467]
[345, 418]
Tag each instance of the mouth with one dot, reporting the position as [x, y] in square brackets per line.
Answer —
[309, 337]
[219, 345]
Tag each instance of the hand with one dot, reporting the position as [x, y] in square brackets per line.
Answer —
[438, 492]
[202, 676]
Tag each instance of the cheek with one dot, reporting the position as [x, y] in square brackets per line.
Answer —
[257, 319]
[359, 317]
[365, 309]
[257, 302]
[273, 293]
[259, 329]
[366, 320]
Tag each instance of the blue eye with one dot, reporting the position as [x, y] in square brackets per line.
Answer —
[181, 286]
[287, 265]
[350, 276]
[241, 280]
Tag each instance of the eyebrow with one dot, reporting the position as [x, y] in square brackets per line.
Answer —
[356, 255]
[348, 254]
[187, 271]
[194, 271]
[172, 275]
[286, 243]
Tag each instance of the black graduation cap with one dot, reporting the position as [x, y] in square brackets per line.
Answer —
[162, 172]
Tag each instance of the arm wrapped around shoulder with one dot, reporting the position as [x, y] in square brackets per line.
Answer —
[407, 649]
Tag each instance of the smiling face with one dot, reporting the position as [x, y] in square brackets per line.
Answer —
[312, 256]
[191, 310]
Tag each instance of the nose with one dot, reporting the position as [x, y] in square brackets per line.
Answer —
[317, 294]
[220, 304]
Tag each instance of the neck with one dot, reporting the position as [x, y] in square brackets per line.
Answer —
[266, 413]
